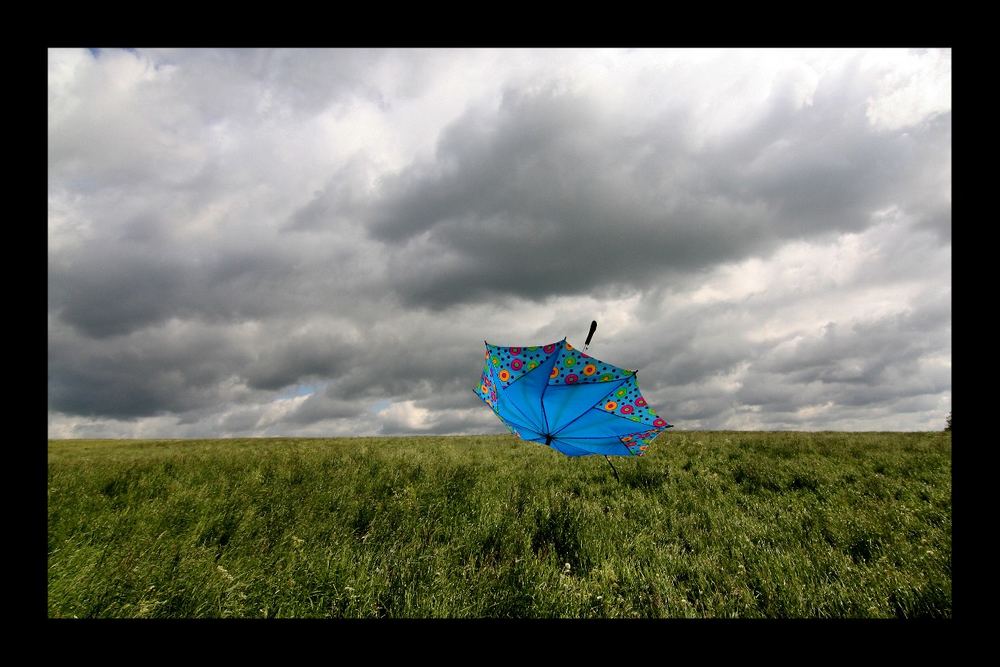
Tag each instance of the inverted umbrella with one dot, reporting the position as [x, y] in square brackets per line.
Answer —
[562, 397]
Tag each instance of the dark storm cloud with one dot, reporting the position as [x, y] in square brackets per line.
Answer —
[549, 196]
[239, 422]
[692, 344]
[865, 353]
[298, 357]
[407, 367]
[173, 369]
[865, 365]
[322, 405]
[115, 288]
[337, 205]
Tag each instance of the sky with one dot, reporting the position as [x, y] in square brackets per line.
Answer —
[317, 242]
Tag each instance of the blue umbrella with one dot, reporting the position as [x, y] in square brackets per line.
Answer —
[563, 398]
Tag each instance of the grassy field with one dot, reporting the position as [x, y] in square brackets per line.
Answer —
[724, 524]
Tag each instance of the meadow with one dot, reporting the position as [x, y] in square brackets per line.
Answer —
[708, 524]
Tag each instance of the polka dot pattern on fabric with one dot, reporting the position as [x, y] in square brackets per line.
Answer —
[486, 390]
[511, 363]
[570, 360]
[630, 404]
[638, 443]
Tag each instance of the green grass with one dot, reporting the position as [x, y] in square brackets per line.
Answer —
[725, 524]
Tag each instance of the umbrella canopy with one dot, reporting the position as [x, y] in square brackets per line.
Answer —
[559, 396]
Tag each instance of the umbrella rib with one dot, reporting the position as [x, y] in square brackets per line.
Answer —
[566, 441]
[620, 383]
[533, 370]
[553, 357]
[604, 437]
[545, 417]
[512, 404]
[507, 421]
[611, 414]
[585, 452]
[541, 397]
[597, 437]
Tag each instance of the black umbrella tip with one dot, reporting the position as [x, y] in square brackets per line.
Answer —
[590, 334]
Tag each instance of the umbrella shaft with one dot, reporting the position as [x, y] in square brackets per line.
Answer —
[612, 468]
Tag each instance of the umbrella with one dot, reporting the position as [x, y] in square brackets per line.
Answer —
[562, 397]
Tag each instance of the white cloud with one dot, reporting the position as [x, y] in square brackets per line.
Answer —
[912, 86]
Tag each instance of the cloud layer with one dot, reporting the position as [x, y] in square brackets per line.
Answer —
[317, 242]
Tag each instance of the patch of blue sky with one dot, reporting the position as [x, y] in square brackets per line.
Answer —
[96, 52]
[300, 390]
